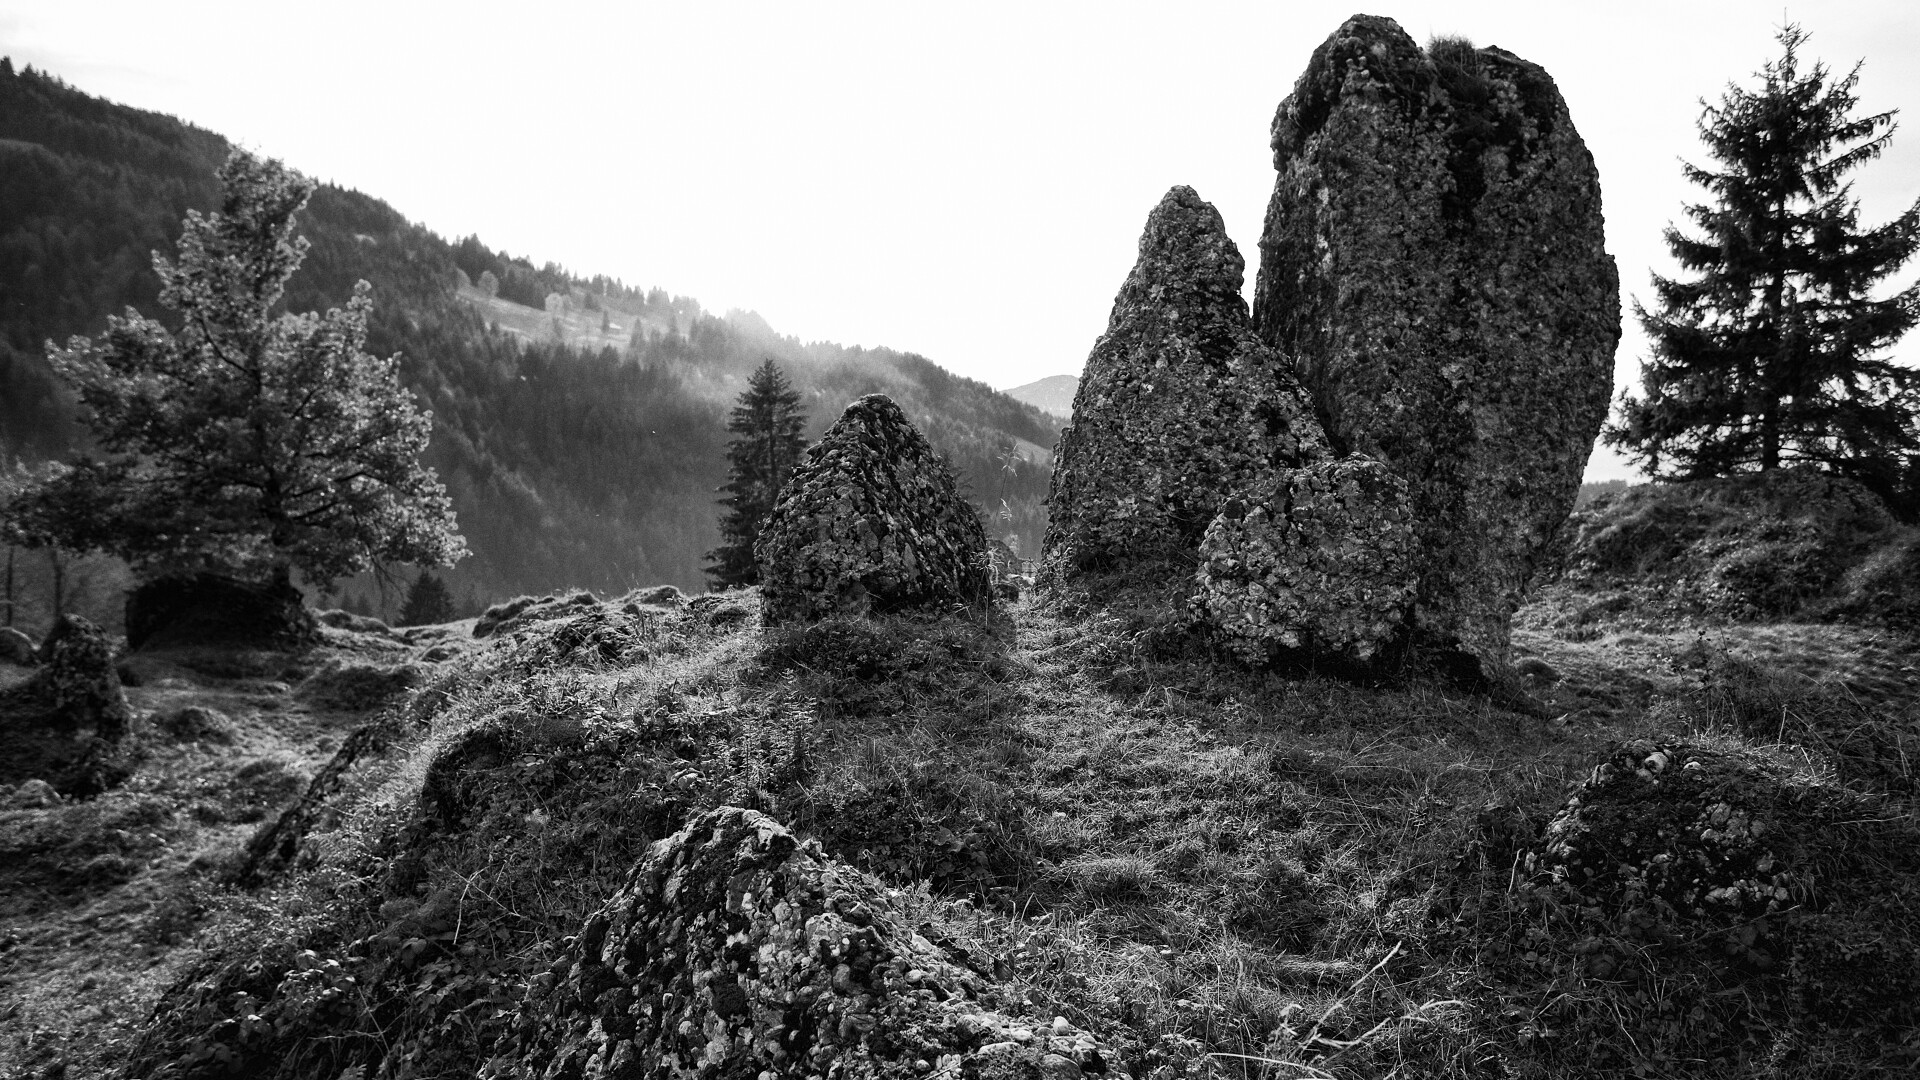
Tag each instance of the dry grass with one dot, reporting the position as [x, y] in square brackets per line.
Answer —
[1283, 876]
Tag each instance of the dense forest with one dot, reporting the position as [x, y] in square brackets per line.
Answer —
[579, 423]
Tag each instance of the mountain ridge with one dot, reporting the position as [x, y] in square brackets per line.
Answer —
[577, 454]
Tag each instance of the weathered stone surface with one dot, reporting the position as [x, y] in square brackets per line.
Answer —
[79, 686]
[214, 609]
[1433, 263]
[736, 950]
[16, 647]
[870, 522]
[1752, 862]
[1320, 565]
[1180, 405]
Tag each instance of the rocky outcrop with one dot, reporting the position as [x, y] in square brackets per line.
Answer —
[1797, 892]
[737, 950]
[79, 687]
[216, 609]
[870, 522]
[1319, 567]
[1433, 265]
[1180, 406]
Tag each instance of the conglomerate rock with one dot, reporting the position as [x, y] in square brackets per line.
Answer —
[78, 685]
[1801, 889]
[1180, 405]
[1433, 265]
[1321, 565]
[870, 522]
[736, 950]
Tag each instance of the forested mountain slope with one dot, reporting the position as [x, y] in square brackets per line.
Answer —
[579, 422]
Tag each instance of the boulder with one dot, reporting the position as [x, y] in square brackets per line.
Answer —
[736, 949]
[1319, 567]
[78, 685]
[216, 609]
[1798, 893]
[870, 522]
[16, 648]
[1180, 406]
[1433, 264]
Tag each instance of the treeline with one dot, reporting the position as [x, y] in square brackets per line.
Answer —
[569, 466]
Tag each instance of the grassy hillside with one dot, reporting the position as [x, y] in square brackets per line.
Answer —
[579, 422]
[1214, 872]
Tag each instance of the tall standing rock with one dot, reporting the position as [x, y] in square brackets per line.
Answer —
[1180, 405]
[870, 522]
[1433, 263]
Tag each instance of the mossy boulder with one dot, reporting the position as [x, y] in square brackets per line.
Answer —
[737, 949]
[1320, 567]
[1750, 887]
[1433, 264]
[1180, 406]
[870, 522]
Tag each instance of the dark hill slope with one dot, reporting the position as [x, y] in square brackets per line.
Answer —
[579, 423]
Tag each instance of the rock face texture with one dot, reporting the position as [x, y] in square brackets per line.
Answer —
[1750, 862]
[79, 685]
[1180, 406]
[870, 522]
[1323, 564]
[1433, 265]
[738, 951]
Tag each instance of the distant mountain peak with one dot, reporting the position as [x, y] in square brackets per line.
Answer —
[1053, 394]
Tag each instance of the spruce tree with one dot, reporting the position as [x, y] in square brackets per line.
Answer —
[428, 602]
[1772, 354]
[767, 426]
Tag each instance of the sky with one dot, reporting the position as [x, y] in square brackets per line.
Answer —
[965, 181]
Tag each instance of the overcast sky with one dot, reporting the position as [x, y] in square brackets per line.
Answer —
[966, 181]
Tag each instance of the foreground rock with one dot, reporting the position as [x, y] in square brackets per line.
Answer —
[70, 720]
[870, 522]
[1433, 263]
[1321, 566]
[1797, 894]
[77, 689]
[1180, 406]
[738, 951]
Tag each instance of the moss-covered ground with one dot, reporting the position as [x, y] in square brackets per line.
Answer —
[1270, 876]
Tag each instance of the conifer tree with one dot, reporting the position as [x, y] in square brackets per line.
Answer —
[249, 443]
[1772, 355]
[767, 426]
[428, 602]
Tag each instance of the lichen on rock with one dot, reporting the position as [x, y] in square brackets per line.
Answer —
[737, 949]
[870, 522]
[1798, 890]
[1433, 263]
[1320, 567]
[1180, 406]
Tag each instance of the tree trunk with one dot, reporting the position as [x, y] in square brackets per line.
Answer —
[10, 604]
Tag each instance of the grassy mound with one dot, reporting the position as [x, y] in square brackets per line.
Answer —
[1789, 543]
